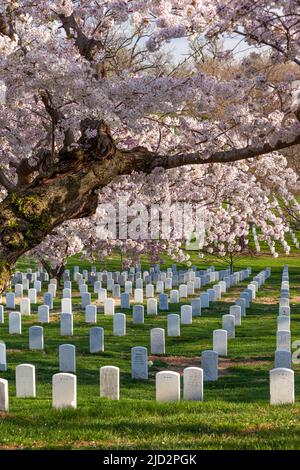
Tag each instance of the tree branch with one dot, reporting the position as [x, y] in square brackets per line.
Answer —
[84, 44]
[141, 159]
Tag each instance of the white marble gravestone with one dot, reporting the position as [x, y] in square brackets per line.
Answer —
[119, 324]
[149, 291]
[66, 305]
[67, 358]
[283, 323]
[32, 295]
[186, 315]
[43, 314]
[167, 386]
[19, 290]
[282, 388]
[236, 311]
[25, 306]
[25, 381]
[283, 358]
[174, 296]
[139, 363]
[151, 306]
[4, 398]
[182, 291]
[109, 306]
[110, 382]
[173, 324]
[102, 294]
[220, 342]
[36, 338]
[157, 339]
[228, 324]
[283, 340]
[96, 339]
[284, 311]
[3, 364]
[10, 300]
[66, 324]
[91, 314]
[209, 363]
[193, 384]
[138, 296]
[15, 323]
[138, 314]
[64, 390]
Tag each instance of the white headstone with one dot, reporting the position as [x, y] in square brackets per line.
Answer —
[173, 324]
[283, 358]
[167, 386]
[67, 358]
[174, 296]
[109, 306]
[102, 294]
[32, 295]
[64, 390]
[285, 311]
[139, 362]
[10, 300]
[96, 339]
[228, 324]
[209, 363]
[119, 324]
[193, 384]
[25, 306]
[283, 323]
[138, 314]
[4, 399]
[36, 337]
[186, 315]
[283, 340]
[182, 291]
[151, 306]
[3, 364]
[220, 342]
[66, 324]
[66, 305]
[236, 311]
[15, 324]
[43, 314]
[91, 314]
[110, 382]
[138, 296]
[282, 388]
[157, 337]
[25, 381]
[149, 291]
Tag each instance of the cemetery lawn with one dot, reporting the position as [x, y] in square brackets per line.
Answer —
[235, 414]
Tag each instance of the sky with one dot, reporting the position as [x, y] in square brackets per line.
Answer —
[179, 47]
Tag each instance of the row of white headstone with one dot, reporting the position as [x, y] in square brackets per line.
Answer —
[282, 387]
[64, 386]
[25, 373]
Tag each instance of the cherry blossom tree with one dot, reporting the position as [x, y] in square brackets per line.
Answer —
[73, 120]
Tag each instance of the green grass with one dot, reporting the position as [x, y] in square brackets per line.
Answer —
[235, 413]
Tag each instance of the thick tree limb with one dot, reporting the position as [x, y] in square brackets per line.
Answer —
[85, 45]
[140, 159]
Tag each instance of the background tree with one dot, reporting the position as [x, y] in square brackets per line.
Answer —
[73, 120]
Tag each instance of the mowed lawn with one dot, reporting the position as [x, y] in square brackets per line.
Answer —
[235, 413]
